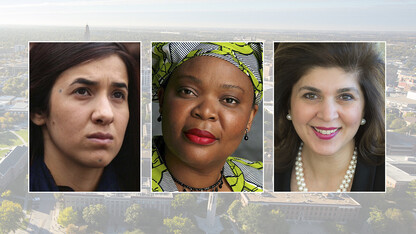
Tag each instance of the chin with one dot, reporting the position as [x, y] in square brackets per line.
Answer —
[328, 151]
[99, 161]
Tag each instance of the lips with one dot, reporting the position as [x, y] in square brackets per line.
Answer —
[101, 138]
[325, 133]
[200, 137]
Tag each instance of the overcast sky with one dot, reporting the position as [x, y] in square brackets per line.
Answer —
[391, 15]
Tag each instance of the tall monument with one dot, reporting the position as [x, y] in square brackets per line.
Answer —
[87, 33]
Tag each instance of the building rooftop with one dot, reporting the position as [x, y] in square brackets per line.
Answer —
[400, 139]
[7, 98]
[398, 174]
[301, 198]
[20, 106]
[401, 159]
[10, 160]
[125, 195]
[401, 100]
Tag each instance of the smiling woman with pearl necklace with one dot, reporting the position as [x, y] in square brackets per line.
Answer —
[329, 117]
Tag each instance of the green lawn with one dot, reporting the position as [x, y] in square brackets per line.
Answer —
[24, 133]
[3, 153]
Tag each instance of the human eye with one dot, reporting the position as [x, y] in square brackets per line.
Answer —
[346, 97]
[231, 100]
[310, 96]
[82, 91]
[186, 92]
[119, 95]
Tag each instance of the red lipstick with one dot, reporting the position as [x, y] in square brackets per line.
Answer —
[200, 137]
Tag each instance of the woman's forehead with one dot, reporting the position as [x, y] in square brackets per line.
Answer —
[210, 70]
[332, 78]
[111, 68]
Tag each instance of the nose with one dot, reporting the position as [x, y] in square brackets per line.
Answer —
[206, 109]
[102, 111]
[328, 110]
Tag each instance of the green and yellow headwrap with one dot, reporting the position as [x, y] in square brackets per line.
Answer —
[167, 56]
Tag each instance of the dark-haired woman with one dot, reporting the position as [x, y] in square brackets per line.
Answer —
[84, 118]
[329, 117]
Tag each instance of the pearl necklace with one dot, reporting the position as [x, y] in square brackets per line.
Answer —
[345, 182]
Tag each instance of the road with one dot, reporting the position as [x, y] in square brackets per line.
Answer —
[43, 218]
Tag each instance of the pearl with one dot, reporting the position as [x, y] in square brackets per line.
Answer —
[300, 179]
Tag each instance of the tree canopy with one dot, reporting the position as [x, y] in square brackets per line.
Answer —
[67, 216]
[95, 216]
[234, 209]
[179, 225]
[134, 216]
[182, 203]
[11, 216]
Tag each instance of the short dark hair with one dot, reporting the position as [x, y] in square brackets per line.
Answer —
[47, 60]
[294, 60]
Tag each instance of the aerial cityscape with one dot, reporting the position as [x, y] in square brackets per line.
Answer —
[147, 212]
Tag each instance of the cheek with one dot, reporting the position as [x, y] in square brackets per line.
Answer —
[352, 116]
[67, 116]
[302, 113]
[174, 115]
[124, 113]
[122, 119]
[235, 122]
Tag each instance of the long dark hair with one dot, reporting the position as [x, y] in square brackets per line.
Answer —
[293, 60]
[48, 60]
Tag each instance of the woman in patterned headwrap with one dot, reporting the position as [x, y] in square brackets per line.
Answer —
[208, 95]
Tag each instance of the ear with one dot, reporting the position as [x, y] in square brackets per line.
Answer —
[38, 118]
[160, 96]
[253, 113]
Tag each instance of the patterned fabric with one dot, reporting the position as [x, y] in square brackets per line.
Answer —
[241, 174]
[248, 57]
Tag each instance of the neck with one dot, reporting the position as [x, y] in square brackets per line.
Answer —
[67, 173]
[325, 172]
[201, 177]
[327, 165]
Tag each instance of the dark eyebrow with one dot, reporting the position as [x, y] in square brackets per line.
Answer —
[198, 81]
[309, 88]
[230, 86]
[348, 89]
[119, 85]
[192, 78]
[341, 90]
[95, 83]
[84, 81]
